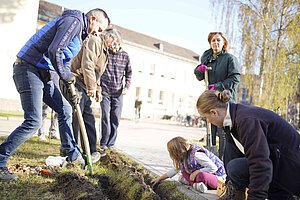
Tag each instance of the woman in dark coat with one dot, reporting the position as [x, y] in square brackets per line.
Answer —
[224, 73]
[269, 146]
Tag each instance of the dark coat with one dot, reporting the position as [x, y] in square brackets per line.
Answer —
[225, 71]
[272, 148]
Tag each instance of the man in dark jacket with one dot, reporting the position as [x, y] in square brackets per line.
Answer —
[51, 48]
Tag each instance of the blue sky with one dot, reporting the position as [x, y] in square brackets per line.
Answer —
[184, 23]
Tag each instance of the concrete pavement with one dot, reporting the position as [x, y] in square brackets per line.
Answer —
[145, 142]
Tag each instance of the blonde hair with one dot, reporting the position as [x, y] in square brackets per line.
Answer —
[179, 148]
[211, 99]
[226, 44]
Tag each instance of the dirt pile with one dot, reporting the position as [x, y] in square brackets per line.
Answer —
[116, 177]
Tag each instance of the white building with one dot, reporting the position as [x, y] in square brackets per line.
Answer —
[163, 73]
[163, 77]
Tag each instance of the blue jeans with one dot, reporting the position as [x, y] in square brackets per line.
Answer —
[33, 90]
[111, 113]
[85, 105]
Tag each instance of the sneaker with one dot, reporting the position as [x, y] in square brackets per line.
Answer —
[6, 176]
[104, 147]
[231, 193]
[95, 157]
[42, 138]
[79, 160]
[62, 152]
[52, 135]
[182, 180]
[201, 187]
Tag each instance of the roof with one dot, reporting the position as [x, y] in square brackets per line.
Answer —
[152, 42]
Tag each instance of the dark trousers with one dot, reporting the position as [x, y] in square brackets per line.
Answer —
[87, 115]
[215, 131]
[238, 173]
[85, 105]
[111, 113]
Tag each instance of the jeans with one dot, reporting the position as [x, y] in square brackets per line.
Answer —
[33, 91]
[111, 113]
[85, 104]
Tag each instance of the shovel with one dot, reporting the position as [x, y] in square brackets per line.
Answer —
[208, 125]
[82, 131]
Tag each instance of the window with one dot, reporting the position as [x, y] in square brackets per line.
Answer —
[138, 92]
[163, 72]
[150, 95]
[152, 69]
[161, 97]
[173, 74]
[141, 67]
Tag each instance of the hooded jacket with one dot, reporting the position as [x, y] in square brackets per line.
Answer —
[89, 64]
[55, 44]
[225, 71]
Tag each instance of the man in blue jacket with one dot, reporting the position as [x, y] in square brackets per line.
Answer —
[51, 48]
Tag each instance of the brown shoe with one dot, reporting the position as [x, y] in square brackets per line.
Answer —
[231, 193]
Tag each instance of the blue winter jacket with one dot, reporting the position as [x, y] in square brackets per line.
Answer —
[54, 45]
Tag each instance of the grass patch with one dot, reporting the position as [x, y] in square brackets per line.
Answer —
[115, 177]
[8, 114]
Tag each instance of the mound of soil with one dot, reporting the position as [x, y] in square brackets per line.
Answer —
[121, 179]
[75, 186]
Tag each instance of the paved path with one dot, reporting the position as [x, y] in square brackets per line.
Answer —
[144, 141]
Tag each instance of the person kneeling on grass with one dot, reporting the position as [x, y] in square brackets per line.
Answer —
[199, 167]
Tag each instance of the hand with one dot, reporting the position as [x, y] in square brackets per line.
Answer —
[155, 182]
[91, 93]
[124, 91]
[71, 80]
[212, 87]
[193, 175]
[75, 99]
[202, 68]
[98, 96]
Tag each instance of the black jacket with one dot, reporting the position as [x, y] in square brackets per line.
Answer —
[272, 148]
[225, 71]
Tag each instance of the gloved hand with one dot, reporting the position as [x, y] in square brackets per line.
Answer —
[212, 87]
[202, 68]
[71, 80]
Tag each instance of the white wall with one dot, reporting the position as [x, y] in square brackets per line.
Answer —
[18, 20]
[172, 75]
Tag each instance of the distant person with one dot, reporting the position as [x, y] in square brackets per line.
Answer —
[88, 66]
[53, 132]
[200, 168]
[51, 48]
[118, 70]
[138, 106]
[223, 75]
[268, 161]
[42, 133]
